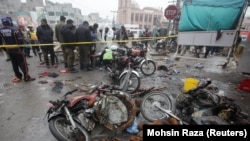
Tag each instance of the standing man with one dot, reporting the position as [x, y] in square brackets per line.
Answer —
[34, 41]
[45, 36]
[59, 37]
[122, 35]
[11, 36]
[69, 37]
[26, 40]
[83, 35]
[93, 32]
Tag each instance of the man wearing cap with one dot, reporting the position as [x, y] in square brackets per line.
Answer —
[69, 37]
[10, 36]
[59, 37]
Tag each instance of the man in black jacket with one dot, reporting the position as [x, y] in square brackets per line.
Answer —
[45, 36]
[83, 35]
[68, 36]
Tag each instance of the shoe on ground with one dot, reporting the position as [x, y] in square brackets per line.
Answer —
[89, 69]
[29, 79]
[54, 66]
[73, 71]
[7, 59]
[16, 79]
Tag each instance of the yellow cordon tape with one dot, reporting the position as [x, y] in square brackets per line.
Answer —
[82, 43]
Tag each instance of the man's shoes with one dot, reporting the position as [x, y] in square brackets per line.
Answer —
[73, 71]
[29, 79]
[7, 59]
[16, 79]
[82, 68]
[54, 66]
[89, 69]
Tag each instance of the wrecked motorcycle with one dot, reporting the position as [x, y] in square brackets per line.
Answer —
[121, 69]
[147, 66]
[72, 119]
[198, 106]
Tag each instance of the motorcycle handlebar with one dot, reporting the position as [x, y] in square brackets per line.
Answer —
[70, 92]
[52, 102]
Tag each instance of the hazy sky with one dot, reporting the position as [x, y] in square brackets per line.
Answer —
[104, 7]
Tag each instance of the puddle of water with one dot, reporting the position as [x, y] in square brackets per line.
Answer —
[1, 94]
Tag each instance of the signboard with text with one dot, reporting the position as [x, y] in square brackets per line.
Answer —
[171, 12]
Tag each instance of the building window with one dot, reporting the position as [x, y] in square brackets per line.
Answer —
[150, 18]
[146, 18]
[58, 13]
[132, 17]
[51, 13]
[155, 21]
[71, 15]
[141, 17]
[65, 13]
[136, 17]
[52, 22]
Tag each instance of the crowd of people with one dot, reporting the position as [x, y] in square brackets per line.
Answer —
[40, 40]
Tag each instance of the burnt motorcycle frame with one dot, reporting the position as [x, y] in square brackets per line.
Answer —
[121, 69]
[158, 105]
[74, 109]
[206, 114]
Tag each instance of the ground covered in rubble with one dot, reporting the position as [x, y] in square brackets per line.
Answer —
[23, 105]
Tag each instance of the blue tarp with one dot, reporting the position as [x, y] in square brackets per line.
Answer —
[210, 15]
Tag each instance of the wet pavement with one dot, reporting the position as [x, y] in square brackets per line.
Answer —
[23, 105]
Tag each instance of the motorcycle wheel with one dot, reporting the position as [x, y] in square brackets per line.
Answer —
[134, 82]
[173, 46]
[60, 128]
[148, 68]
[152, 113]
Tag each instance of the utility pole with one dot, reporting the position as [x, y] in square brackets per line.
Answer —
[113, 21]
[177, 19]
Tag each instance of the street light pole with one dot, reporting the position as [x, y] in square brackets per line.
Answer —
[113, 22]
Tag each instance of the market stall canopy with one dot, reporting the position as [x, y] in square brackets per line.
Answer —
[211, 15]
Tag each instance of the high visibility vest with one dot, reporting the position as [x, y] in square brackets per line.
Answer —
[33, 36]
[108, 55]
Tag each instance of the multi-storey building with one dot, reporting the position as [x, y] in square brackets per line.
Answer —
[130, 13]
[55, 10]
[28, 12]
[9, 8]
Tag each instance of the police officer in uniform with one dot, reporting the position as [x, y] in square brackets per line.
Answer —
[10, 36]
[69, 37]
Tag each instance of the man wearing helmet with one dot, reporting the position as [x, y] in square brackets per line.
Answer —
[11, 36]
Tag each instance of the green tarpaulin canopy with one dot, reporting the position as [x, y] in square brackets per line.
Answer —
[210, 15]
